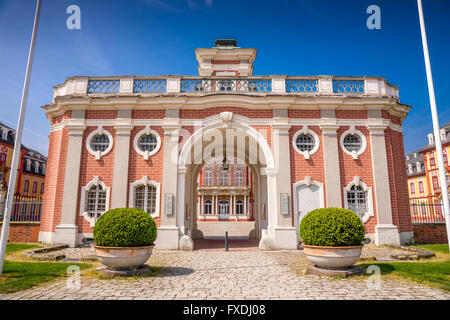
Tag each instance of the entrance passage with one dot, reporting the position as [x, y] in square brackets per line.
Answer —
[233, 244]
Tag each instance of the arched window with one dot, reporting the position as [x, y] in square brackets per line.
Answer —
[238, 177]
[145, 198]
[145, 195]
[95, 201]
[208, 207]
[224, 207]
[357, 200]
[239, 207]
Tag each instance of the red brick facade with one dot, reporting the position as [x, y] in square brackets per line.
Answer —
[153, 168]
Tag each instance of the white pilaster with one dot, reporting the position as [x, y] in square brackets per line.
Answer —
[67, 232]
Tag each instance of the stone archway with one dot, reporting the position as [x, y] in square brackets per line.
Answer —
[181, 169]
[252, 148]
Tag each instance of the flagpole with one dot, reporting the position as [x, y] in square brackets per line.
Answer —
[434, 115]
[18, 142]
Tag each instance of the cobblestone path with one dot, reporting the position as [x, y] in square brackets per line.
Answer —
[230, 275]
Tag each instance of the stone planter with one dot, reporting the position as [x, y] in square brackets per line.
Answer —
[123, 258]
[333, 258]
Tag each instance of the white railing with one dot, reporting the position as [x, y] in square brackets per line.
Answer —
[189, 85]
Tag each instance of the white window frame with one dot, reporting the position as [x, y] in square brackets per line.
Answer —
[305, 130]
[99, 131]
[28, 165]
[145, 181]
[4, 134]
[227, 183]
[146, 131]
[84, 190]
[207, 203]
[36, 166]
[239, 203]
[368, 190]
[352, 131]
[208, 177]
[239, 176]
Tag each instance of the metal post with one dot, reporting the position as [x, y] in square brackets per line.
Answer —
[434, 115]
[18, 141]
[226, 240]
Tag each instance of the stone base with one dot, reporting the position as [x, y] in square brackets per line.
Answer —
[285, 238]
[186, 243]
[386, 234]
[313, 270]
[168, 238]
[142, 271]
[66, 234]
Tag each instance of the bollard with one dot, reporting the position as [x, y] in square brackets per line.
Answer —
[226, 240]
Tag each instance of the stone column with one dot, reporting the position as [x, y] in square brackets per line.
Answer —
[185, 241]
[385, 231]
[245, 205]
[284, 233]
[67, 232]
[168, 237]
[121, 159]
[331, 158]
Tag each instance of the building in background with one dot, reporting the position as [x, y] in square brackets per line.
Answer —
[422, 168]
[32, 168]
[424, 189]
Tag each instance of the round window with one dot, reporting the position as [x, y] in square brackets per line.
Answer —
[305, 142]
[100, 142]
[352, 142]
[147, 142]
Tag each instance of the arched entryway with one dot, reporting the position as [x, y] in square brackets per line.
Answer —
[227, 139]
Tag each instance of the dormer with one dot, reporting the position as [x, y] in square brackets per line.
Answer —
[4, 134]
[430, 138]
[410, 169]
[419, 167]
[225, 59]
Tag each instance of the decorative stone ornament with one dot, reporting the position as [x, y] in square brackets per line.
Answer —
[226, 117]
[98, 154]
[354, 153]
[146, 154]
[305, 131]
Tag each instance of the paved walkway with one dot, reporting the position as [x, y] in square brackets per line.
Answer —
[229, 275]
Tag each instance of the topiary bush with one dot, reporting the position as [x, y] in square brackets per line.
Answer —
[126, 227]
[332, 227]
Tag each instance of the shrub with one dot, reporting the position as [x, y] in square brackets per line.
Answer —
[332, 227]
[125, 227]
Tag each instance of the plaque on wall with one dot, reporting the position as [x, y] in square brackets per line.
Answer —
[284, 203]
[169, 203]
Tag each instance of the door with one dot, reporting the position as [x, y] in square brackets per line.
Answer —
[224, 209]
[308, 198]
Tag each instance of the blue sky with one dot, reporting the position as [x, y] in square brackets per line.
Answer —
[157, 37]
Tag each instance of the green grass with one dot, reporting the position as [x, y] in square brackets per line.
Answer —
[17, 247]
[435, 274]
[19, 276]
[441, 248]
